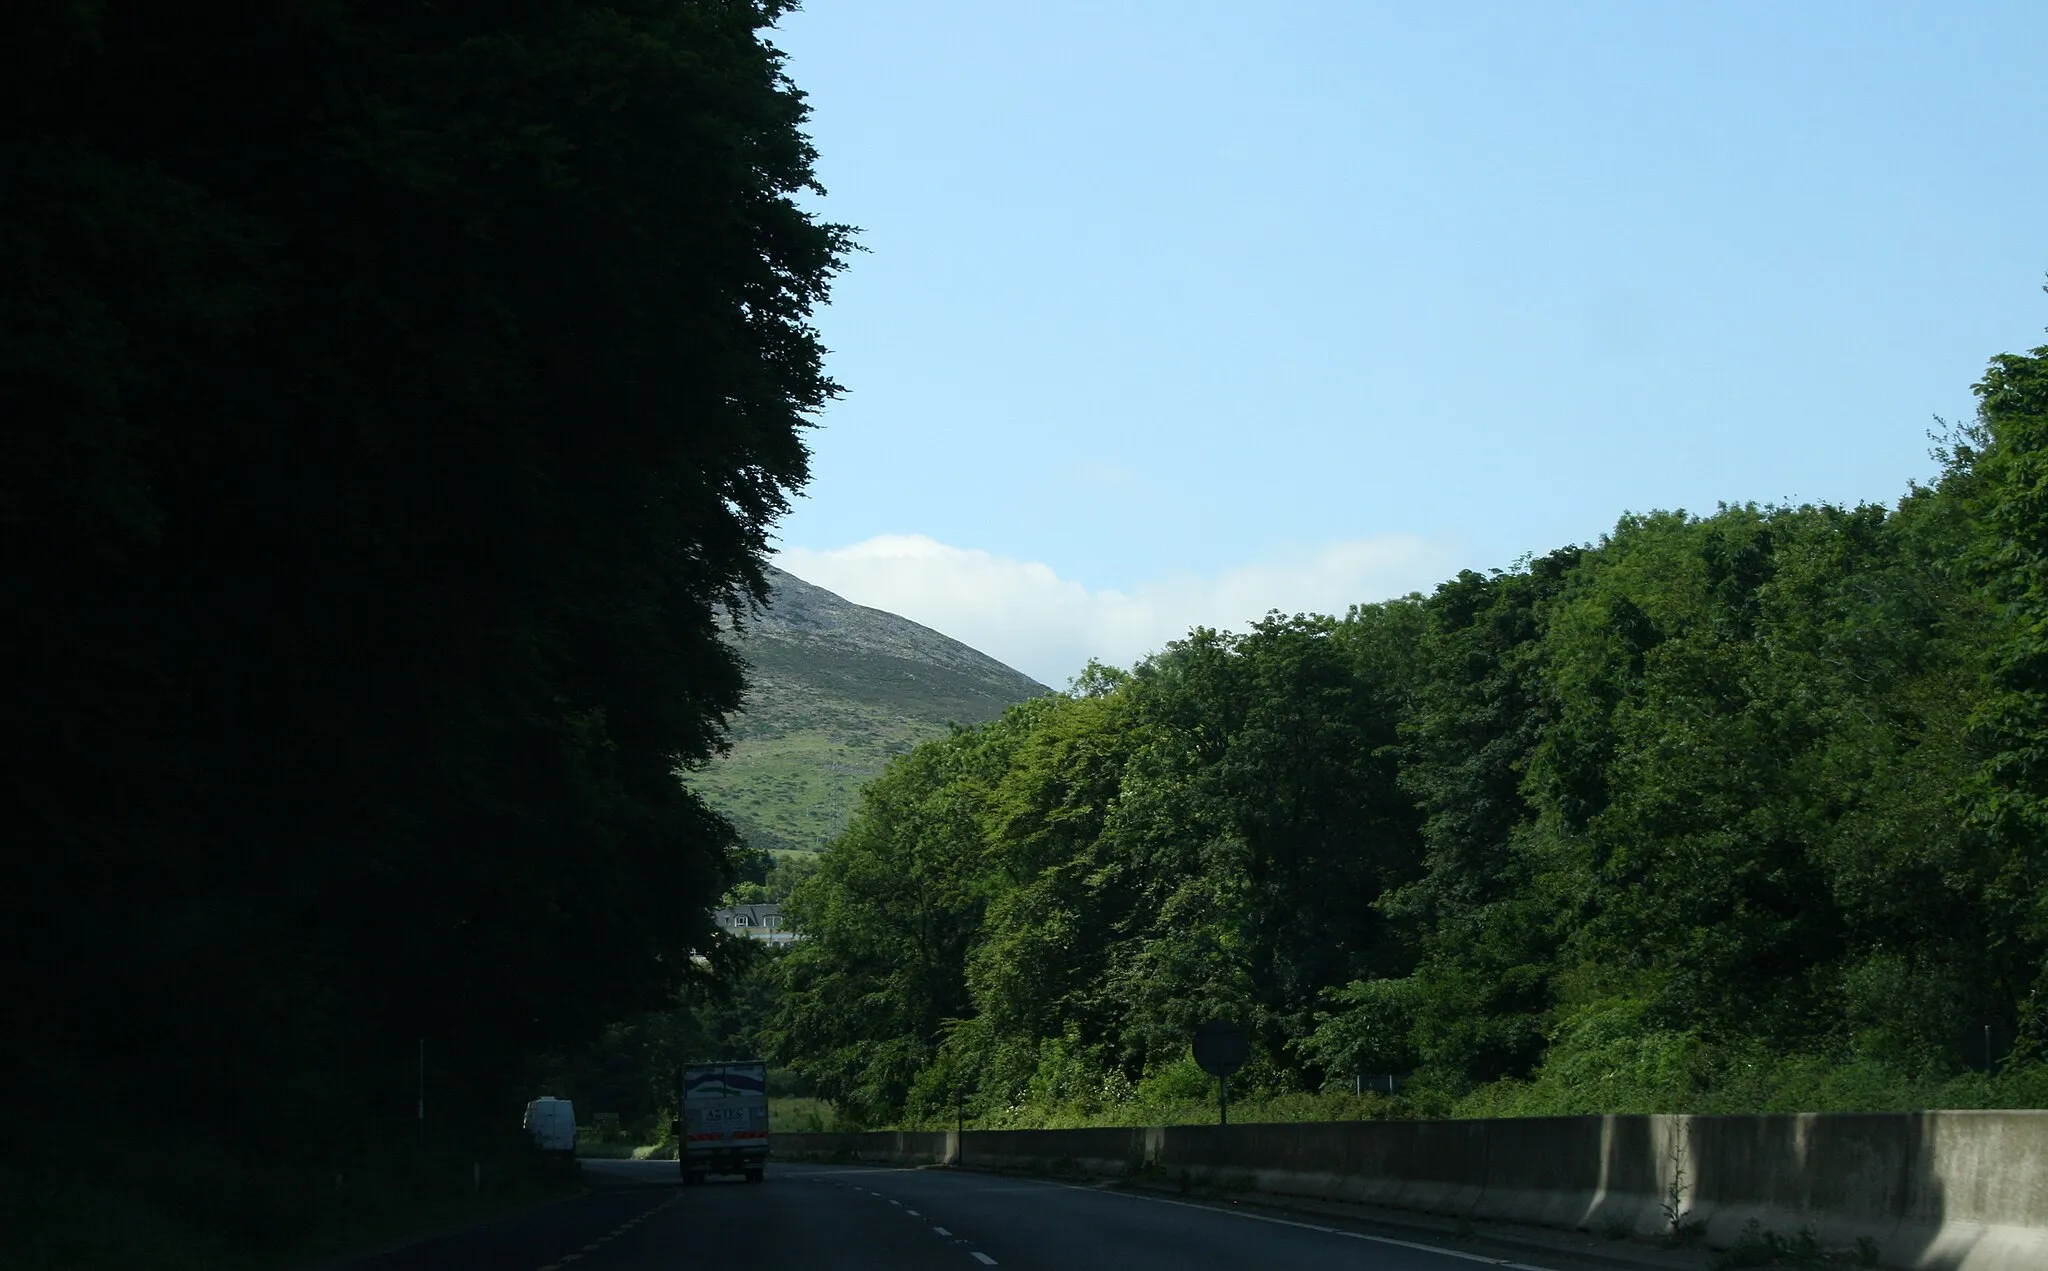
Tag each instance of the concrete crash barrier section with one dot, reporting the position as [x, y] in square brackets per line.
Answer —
[1939, 1191]
[871, 1147]
[1107, 1153]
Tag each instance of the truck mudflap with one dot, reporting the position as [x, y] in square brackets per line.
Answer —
[726, 1161]
[742, 1152]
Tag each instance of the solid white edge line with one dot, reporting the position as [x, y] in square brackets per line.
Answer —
[1289, 1222]
[1309, 1226]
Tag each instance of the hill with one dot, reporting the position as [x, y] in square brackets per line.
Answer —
[836, 690]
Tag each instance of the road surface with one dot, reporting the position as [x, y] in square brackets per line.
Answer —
[826, 1217]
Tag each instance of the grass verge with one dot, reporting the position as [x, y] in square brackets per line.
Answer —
[193, 1206]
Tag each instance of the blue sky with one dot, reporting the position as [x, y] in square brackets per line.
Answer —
[1175, 312]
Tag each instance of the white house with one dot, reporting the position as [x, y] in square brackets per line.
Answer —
[755, 922]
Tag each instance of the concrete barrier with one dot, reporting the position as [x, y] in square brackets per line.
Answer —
[1106, 1153]
[871, 1147]
[1933, 1191]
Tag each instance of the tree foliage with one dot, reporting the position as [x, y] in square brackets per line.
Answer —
[1722, 812]
[396, 396]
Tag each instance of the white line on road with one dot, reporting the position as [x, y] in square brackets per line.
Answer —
[1309, 1226]
[1410, 1244]
[1459, 1254]
[913, 1213]
[983, 1259]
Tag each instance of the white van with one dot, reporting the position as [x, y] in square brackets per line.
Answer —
[552, 1123]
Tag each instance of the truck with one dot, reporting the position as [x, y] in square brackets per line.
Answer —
[722, 1126]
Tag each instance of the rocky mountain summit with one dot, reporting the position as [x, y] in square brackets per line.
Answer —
[836, 690]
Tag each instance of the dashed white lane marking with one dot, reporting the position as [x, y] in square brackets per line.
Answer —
[1459, 1254]
[621, 1229]
[897, 1203]
[913, 1213]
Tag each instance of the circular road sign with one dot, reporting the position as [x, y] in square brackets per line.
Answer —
[1220, 1047]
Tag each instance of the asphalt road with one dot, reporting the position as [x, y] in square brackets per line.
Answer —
[637, 1218]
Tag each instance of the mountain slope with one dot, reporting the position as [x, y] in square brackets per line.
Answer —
[836, 690]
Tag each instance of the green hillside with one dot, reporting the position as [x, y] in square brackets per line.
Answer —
[836, 690]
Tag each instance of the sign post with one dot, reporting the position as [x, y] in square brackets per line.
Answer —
[1221, 1049]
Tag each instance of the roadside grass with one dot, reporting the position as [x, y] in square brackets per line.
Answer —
[1793, 1084]
[1724, 1083]
[626, 1151]
[175, 1205]
[792, 1114]
[787, 1114]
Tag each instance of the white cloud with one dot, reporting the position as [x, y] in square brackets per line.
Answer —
[1025, 614]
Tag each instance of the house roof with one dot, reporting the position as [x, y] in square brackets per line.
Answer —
[755, 914]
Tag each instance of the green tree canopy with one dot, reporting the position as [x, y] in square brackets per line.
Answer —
[397, 394]
[1728, 812]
